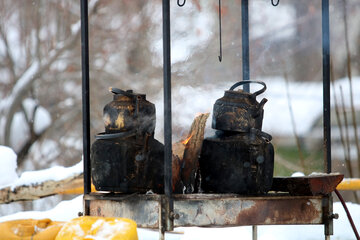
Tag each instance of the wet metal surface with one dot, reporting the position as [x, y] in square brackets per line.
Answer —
[208, 210]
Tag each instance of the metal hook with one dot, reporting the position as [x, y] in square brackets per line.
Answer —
[275, 4]
[220, 56]
[179, 4]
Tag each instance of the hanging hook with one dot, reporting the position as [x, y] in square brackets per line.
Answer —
[275, 4]
[220, 56]
[181, 4]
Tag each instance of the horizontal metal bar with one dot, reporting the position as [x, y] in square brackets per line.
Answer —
[211, 210]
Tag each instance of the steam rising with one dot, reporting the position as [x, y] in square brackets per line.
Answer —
[306, 100]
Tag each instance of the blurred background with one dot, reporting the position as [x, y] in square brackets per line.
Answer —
[40, 74]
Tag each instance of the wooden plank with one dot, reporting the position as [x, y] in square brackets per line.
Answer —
[71, 185]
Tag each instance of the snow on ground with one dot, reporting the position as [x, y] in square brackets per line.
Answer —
[64, 211]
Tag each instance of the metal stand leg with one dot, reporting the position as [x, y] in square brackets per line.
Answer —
[162, 220]
[161, 235]
[254, 233]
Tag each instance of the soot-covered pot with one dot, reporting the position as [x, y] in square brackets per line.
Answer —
[240, 163]
[239, 110]
[129, 112]
[126, 158]
[123, 165]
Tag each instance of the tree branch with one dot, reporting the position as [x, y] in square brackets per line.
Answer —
[10, 60]
[11, 103]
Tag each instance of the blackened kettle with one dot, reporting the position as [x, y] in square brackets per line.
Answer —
[129, 111]
[239, 111]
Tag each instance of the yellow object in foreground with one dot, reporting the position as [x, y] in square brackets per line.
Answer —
[30, 229]
[352, 184]
[88, 227]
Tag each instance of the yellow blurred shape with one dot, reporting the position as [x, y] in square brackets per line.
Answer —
[76, 190]
[88, 227]
[352, 184]
[30, 229]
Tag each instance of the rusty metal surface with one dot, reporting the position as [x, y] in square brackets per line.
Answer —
[237, 211]
[308, 185]
[144, 210]
[218, 210]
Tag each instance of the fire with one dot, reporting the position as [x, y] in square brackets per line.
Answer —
[187, 140]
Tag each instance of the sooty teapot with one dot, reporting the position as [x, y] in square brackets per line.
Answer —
[238, 110]
[129, 111]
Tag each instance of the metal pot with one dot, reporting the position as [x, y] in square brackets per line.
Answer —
[129, 112]
[121, 164]
[240, 163]
[238, 110]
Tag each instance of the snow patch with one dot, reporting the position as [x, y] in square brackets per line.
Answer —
[64, 211]
[8, 164]
[45, 150]
[298, 174]
[19, 131]
[56, 173]
[42, 118]
[72, 142]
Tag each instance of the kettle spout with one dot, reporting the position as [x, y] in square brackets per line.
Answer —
[262, 103]
[260, 108]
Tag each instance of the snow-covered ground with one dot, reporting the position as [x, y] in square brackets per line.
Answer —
[67, 210]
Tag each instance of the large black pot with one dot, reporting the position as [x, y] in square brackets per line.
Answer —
[127, 165]
[240, 163]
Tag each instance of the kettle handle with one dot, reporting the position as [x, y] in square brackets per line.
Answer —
[120, 91]
[248, 81]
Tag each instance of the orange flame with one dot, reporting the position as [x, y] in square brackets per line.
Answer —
[187, 140]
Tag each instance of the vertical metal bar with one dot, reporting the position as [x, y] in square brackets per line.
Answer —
[328, 220]
[328, 227]
[254, 232]
[167, 115]
[245, 42]
[326, 84]
[220, 34]
[85, 99]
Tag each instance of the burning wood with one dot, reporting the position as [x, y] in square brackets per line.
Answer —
[187, 140]
[185, 155]
[192, 150]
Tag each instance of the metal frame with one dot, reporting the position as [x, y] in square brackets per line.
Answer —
[85, 99]
[170, 205]
[211, 210]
